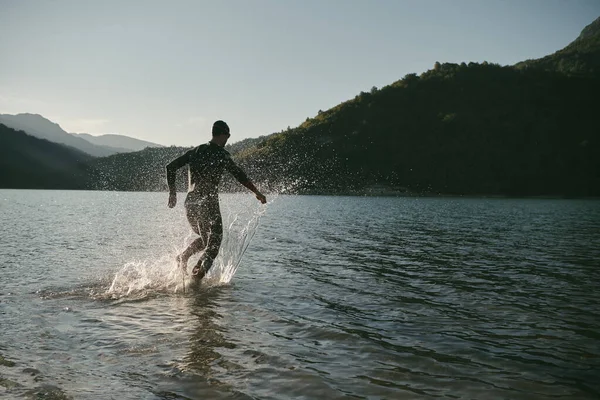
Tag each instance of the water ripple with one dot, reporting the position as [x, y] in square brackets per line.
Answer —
[335, 298]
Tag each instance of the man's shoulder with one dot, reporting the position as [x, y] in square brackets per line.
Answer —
[222, 151]
[210, 149]
[198, 149]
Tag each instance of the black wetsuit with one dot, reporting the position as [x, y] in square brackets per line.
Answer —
[206, 164]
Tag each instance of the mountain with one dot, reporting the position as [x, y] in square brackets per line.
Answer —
[99, 146]
[475, 129]
[529, 129]
[581, 57]
[460, 129]
[40, 127]
[29, 162]
[121, 142]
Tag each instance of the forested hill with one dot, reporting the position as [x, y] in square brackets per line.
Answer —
[27, 162]
[580, 58]
[475, 129]
[456, 129]
[529, 129]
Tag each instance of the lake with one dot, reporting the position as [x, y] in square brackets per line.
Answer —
[312, 297]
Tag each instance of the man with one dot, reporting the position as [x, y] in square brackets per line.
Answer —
[206, 164]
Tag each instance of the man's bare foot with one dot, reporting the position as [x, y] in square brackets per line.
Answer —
[199, 271]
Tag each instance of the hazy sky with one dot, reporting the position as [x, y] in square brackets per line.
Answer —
[163, 71]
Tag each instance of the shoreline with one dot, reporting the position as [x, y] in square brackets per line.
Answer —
[356, 194]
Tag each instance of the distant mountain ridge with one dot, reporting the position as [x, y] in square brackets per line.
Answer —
[580, 58]
[125, 143]
[98, 146]
[42, 128]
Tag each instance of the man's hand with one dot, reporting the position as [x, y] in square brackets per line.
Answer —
[173, 199]
[261, 197]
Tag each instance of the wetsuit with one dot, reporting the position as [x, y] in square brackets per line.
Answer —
[206, 164]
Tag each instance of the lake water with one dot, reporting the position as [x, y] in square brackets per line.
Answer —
[335, 297]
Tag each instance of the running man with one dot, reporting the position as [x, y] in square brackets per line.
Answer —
[206, 164]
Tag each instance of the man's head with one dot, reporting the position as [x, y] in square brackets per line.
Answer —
[220, 128]
[220, 132]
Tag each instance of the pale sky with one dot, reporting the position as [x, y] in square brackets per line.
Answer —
[163, 71]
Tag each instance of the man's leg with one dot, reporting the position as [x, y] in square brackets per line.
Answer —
[194, 247]
[215, 237]
[194, 214]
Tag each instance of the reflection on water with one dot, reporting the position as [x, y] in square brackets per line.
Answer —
[335, 298]
[207, 336]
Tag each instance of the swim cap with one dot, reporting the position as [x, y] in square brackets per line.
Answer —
[220, 128]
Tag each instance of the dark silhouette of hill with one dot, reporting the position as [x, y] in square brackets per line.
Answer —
[581, 57]
[456, 129]
[27, 162]
[479, 129]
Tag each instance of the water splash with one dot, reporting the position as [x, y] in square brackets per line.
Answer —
[143, 278]
[239, 229]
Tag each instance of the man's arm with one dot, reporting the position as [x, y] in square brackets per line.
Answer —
[242, 178]
[171, 169]
[261, 197]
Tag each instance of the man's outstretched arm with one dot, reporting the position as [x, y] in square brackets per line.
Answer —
[242, 178]
[171, 169]
[261, 197]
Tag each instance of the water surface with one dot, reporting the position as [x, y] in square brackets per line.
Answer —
[336, 297]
